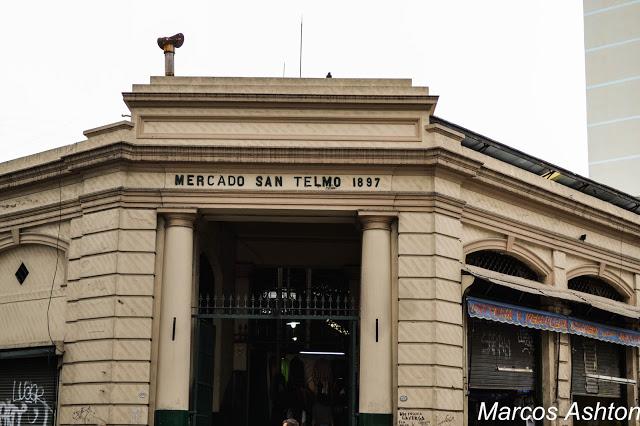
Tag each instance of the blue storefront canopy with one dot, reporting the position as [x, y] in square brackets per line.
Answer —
[541, 320]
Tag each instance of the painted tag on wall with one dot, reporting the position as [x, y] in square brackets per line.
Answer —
[28, 391]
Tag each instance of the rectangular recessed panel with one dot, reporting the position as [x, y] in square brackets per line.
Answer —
[280, 128]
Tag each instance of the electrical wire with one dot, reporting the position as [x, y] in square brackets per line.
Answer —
[55, 272]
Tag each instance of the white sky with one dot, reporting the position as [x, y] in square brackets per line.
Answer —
[512, 70]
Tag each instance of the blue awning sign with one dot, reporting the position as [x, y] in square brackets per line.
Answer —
[541, 320]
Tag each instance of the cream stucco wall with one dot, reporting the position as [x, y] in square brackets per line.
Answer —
[110, 193]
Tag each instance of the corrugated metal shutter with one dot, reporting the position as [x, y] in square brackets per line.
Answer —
[595, 357]
[499, 355]
[28, 390]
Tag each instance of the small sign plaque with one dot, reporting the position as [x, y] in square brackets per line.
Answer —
[412, 418]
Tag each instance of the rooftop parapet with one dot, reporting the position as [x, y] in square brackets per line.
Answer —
[364, 92]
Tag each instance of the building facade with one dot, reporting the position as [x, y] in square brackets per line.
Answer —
[612, 55]
[245, 250]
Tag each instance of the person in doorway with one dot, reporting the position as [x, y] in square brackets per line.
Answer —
[277, 387]
[321, 411]
[290, 422]
[298, 397]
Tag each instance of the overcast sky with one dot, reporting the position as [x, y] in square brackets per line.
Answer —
[512, 70]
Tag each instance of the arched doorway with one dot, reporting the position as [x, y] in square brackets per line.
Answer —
[598, 368]
[503, 360]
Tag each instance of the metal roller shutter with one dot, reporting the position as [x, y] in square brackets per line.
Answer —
[595, 357]
[28, 389]
[502, 356]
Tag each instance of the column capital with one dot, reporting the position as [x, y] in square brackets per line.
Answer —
[376, 222]
[186, 220]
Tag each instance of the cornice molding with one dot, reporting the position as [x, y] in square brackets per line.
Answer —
[434, 160]
[504, 184]
[541, 236]
[124, 152]
[334, 101]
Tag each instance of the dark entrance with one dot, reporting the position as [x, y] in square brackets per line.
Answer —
[598, 368]
[28, 386]
[503, 367]
[503, 359]
[294, 349]
[597, 374]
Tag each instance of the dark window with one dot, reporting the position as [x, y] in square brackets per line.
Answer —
[22, 273]
[29, 387]
[591, 358]
[503, 356]
[500, 262]
[594, 285]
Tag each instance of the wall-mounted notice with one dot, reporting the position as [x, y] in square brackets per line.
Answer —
[412, 418]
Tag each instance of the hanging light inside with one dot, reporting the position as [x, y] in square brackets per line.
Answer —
[321, 353]
[293, 324]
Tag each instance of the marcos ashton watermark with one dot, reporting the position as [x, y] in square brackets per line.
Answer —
[494, 412]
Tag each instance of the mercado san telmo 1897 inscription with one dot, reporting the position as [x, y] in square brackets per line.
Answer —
[278, 181]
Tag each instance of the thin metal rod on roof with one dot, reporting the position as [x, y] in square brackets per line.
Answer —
[301, 19]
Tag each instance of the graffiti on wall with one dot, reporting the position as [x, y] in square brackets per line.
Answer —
[27, 405]
[496, 344]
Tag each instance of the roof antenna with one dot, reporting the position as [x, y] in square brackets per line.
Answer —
[301, 17]
[169, 45]
[284, 67]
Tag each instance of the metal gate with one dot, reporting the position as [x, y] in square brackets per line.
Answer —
[284, 305]
[28, 386]
[502, 356]
[591, 360]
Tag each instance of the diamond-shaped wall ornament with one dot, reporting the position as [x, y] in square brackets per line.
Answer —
[22, 273]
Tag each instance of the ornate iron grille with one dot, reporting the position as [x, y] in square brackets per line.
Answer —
[503, 263]
[286, 305]
[594, 285]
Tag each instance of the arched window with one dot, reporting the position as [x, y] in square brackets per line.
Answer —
[503, 359]
[501, 262]
[596, 286]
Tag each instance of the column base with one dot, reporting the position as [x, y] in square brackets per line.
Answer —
[377, 419]
[171, 418]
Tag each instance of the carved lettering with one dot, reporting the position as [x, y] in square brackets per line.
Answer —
[265, 181]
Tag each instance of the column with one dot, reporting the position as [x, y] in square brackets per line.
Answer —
[174, 353]
[375, 405]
